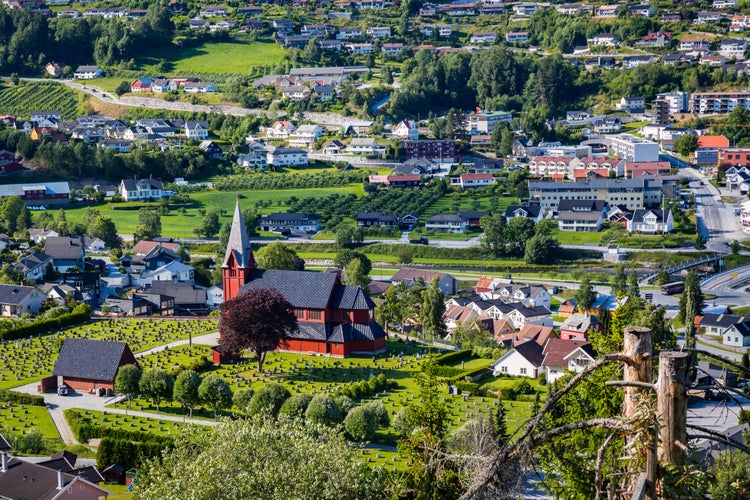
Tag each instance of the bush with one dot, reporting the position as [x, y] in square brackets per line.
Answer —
[80, 314]
[361, 423]
[269, 399]
[296, 406]
[323, 410]
[365, 388]
[521, 391]
[21, 398]
[470, 387]
[452, 357]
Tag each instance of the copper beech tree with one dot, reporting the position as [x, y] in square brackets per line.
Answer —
[259, 320]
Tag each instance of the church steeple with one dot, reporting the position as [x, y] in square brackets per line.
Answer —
[239, 259]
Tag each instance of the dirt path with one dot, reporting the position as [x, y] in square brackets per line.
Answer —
[66, 433]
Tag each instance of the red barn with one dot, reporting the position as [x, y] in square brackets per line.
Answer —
[86, 365]
[332, 318]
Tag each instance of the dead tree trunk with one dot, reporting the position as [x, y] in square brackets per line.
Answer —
[672, 400]
[637, 347]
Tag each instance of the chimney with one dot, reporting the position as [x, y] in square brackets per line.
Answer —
[60, 480]
[3, 461]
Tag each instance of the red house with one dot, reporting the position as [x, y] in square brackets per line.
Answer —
[578, 326]
[86, 365]
[332, 318]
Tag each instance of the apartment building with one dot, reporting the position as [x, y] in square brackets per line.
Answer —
[632, 193]
[706, 103]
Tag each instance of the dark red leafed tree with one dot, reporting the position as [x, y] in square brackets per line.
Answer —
[259, 320]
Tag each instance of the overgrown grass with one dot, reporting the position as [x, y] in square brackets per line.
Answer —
[220, 58]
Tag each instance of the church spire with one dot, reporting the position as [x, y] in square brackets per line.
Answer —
[239, 243]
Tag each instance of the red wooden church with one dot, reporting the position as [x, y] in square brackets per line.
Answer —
[332, 318]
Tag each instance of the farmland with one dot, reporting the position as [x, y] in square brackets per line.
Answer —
[216, 58]
[22, 99]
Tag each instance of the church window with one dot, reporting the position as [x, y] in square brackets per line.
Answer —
[314, 314]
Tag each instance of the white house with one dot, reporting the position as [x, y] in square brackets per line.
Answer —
[475, 180]
[197, 130]
[483, 37]
[651, 221]
[604, 40]
[537, 315]
[287, 157]
[563, 356]
[447, 223]
[199, 87]
[88, 72]
[738, 334]
[174, 271]
[16, 300]
[253, 160]
[365, 146]
[379, 31]
[524, 360]
[306, 135]
[408, 129]
[215, 296]
[141, 189]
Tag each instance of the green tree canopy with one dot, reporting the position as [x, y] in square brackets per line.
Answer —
[276, 255]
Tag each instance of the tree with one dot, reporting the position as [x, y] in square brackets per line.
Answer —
[493, 236]
[541, 249]
[296, 406]
[517, 232]
[662, 277]
[122, 88]
[433, 309]
[634, 290]
[149, 225]
[186, 390]
[361, 423]
[390, 311]
[269, 399]
[694, 293]
[316, 460]
[259, 320]
[686, 144]
[731, 476]
[157, 385]
[276, 255]
[210, 226]
[323, 410]
[662, 336]
[620, 281]
[735, 247]
[585, 295]
[128, 381]
[104, 229]
[499, 424]
[354, 274]
[242, 399]
[345, 256]
[216, 393]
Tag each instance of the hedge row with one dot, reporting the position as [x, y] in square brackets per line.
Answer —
[127, 453]
[20, 398]
[79, 315]
[81, 427]
[452, 357]
[467, 376]
[366, 388]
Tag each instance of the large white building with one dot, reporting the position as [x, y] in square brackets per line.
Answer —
[641, 192]
[141, 189]
[705, 103]
[484, 122]
[678, 101]
[631, 148]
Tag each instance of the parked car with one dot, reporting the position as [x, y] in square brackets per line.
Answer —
[62, 390]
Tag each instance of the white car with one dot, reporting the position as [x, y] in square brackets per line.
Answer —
[62, 390]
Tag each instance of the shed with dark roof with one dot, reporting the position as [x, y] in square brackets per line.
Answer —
[86, 365]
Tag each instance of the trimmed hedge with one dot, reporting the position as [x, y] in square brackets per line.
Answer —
[20, 398]
[366, 388]
[452, 357]
[470, 387]
[468, 375]
[79, 315]
[128, 453]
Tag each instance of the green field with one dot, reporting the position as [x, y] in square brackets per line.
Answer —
[181, 226]
[42, 96]
[217, 58]
[17, 419]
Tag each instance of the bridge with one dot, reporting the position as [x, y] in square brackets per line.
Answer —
[674, 268]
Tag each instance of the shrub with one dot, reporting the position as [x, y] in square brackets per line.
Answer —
[80, 314]
[361, 423]
[366, 388]
[21, 398]
[323, 410]
[470, 387]
[452, 357]
[269, 399]
[296, 406]
[242, 399]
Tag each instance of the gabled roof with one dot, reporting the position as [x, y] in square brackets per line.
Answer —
[531, 352]
[351, 298]
[64, 247]
[531, 211]
[580, 323]
[407, 274]
[182, 293]
[713, 141]
[144, 247]
[14, 294]
[302, 289]
[26, 480]
[90, 359]
[557, 351]
[661, 215]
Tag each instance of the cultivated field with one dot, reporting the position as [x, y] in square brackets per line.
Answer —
[22, 99]
[215, 58]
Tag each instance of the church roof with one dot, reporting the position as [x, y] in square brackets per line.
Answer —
[302, 289]
[239, 242]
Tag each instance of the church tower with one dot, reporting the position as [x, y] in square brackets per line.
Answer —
[239, 260]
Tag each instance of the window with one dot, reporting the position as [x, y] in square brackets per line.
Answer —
[299, 313]
[504, 369]
[314, 314]
[523, 371]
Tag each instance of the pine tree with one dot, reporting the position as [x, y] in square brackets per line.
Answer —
[499, 424]
[634, 290]
[620, 281]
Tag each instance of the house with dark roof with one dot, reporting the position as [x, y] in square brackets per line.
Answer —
[86, 365]
[738, 333]
[187, 299]
[535, 212]
[529, 333]
[66, 252]
[16, 300]
[524, 360]
[564, 356]
[447, 283]
[655, 220]
[332, 318]
[446, 223]
[141, 189]
[22, 480]
[33, 265]
[375, 219]
[290, 221]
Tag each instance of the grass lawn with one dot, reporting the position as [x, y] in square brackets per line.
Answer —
[131, 422]
[181, 226]
[445, 204]
[219, 58]
[17, 419]
[576, 238]
[28, 360]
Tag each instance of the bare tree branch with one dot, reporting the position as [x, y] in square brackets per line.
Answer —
[599, 460]
[718, 358]
[627, 383]
[716, 436]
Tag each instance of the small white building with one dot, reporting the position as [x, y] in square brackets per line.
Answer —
[141, 189]
[197, 130]
[287, 157]
[88, 72]
[651, 221]
[524, 360]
